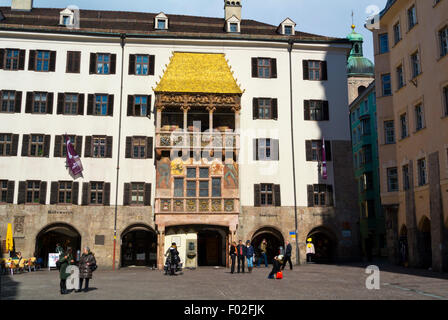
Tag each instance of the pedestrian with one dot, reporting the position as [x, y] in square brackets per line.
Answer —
[309, 250]
[65, 259]
[233, 253]
[287, 257]
[59, 249]
[276, 266]
[281, 251]
[250, 256]
[241, 249]
[263, 247]
[87, 264]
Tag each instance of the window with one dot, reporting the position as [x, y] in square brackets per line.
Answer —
[397, 32]
[400, 79]
[443, 36]
[387, 88]
[140, 106]
[102, 63]
[314, 150]
[216, 187]
[101, 103]
[65, 192]
[264, 109]
[288, 30]
[419, 122]
[5, 144]
[404, 125]
[316, 110]
[389, 132]
[406, 182]
[367, 154]
[314, 70]
[233, 27]
[32, 191]
[356, 161]
[8, 101]
[412, 17]
[71, 103]
[392, 180]
[384, 43]
[445, 98]
[421, 165]
[365, 125]
[266, 195]
[178, 187]
[191, 172]
[141, 64]
[137, 193]
[203, 172]
[366, 106]
[12, 59]
[264, 148]
[161, 24]
[415, 62]
[264, 68]
[73, 62]
[3, 191]
[99, 147]
[322, 195]
[139, 147]
[191, 188]
[37, 145]
[42, 61]
[40, 102]
[96, 192]
[66, 20]
[203, 188]
[368, 181]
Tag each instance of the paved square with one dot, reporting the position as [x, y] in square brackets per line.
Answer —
[304, 282]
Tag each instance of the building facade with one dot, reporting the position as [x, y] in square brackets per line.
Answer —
[192, 130]
[412, 111]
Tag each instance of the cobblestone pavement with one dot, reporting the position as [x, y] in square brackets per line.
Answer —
[304, 282]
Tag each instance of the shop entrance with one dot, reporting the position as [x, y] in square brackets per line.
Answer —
[324, 242]
[210, 244]
[64, 234]
[274, 240]
[139, 247]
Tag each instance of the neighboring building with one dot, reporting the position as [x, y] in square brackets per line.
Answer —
[366, 165]
[134, 90]
[411, 59]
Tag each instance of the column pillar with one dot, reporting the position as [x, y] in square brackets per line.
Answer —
[160, 247]
[210, 109]
[185, 109]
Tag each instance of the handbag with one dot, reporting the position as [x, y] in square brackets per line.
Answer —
[279, 275]
[93, 267]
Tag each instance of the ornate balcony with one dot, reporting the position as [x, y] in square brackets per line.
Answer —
[197, 205]
[197, 140]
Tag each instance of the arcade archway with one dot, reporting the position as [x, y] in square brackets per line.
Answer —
[325, 245]
[425, 248]
[210, 243]
[274, 239]
[62, 233]
[139, 246]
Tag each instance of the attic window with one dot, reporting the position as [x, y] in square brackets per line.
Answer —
[65, 20]
[161, 24]
[288, 30]
[234, 27]
[287, 27]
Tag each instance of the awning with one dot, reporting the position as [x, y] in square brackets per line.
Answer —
[198, 73]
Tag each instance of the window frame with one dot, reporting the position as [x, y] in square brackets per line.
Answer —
[422, 172]
[404, 128]
[139, 142]
[265, 192]
[412, 20]
[33, 190]
[142, 64]
[406, 177]
[139, 192]
[265, 67]
[443, 41]
[42, 60]
[388, 130]
[72, 57]
[397, 33]
[108, 63]
[3, 191]
[381, 42]
[384, 83]
[4, 145]
[33, 105]
[390, 183]
[95, 113]
[445, 100]
[140, 105]
[264, 109]
[11, 103]
[419, 117]
[400, 77]
[12, 59]
[72, 104]
[97, 191]
[415, 64]
[98, 155]
[36, 144]
[65, 191]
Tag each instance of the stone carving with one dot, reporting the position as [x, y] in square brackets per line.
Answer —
[178, 205]
[216, 205]
[191, 205]
[203, 205]
[228, 205]
[19, 224]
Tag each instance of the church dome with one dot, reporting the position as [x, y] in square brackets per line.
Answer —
[357, 64]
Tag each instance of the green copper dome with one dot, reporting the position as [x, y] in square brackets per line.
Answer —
[357, 64]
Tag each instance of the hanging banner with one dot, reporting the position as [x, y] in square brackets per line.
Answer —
[324, 161]
[73, 160]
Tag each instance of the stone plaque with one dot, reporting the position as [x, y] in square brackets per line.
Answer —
[19, 225]
[99, 240]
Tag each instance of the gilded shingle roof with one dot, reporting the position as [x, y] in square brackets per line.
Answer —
[198, 73]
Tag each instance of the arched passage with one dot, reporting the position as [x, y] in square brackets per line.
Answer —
[274, 239]
[425, 250]
[138, 246]
[62, 233]
[403, 246]
[325, 245]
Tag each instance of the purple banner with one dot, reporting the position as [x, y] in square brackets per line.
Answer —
[324, 161]
[73, 161]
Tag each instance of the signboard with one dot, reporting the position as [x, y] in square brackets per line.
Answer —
[52, 258]
[292, 234]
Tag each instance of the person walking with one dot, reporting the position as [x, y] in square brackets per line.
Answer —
[309, 250]
[276, 266]
[287, 257]
[263, 247]
[250, 256]
[87, 264]
[65, 259]
[59, 249]
[242, 250]
[233, 253]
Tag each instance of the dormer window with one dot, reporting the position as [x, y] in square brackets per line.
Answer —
[287, 27]
[233, 25]
[66, 17]
[161, 22]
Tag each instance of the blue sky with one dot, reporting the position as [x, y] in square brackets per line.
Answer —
[325, 17]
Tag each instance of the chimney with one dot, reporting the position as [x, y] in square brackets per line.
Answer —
[232, 8]
[22, 5]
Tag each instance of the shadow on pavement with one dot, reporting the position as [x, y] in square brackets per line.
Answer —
[8, 287]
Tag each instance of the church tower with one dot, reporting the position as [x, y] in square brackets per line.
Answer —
[232, 8]
[360, 70]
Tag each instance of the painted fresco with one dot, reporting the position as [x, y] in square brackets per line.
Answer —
[231, 175]
[163, 173]
[177, 167]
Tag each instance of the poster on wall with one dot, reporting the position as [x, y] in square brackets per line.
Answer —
[52, 259]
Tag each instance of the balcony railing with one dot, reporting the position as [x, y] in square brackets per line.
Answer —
[199, 140]
[197, 205]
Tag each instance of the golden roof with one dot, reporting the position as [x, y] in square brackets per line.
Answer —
[198, 73]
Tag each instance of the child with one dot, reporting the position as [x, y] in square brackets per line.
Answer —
[276, 265]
